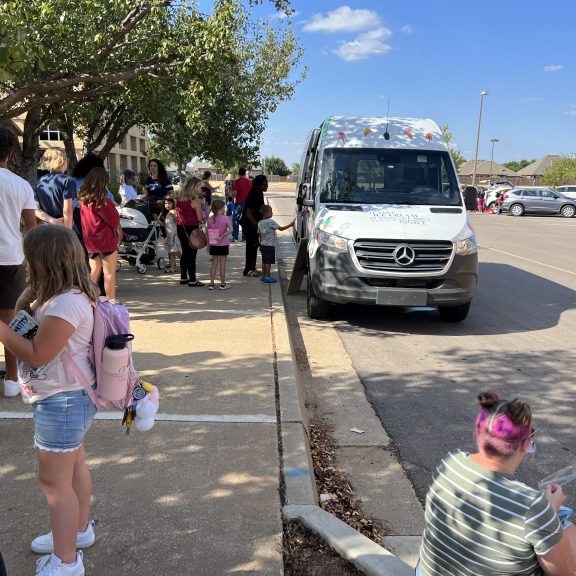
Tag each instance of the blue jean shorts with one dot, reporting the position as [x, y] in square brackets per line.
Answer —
[62, 420]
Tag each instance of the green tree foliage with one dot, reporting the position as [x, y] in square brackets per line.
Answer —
[562, 171]
[295, 170]
[455, 153]
[101, 66]
[516, 165]
[275, 165]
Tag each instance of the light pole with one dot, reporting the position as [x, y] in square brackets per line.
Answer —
[493, 140]
[482, 94]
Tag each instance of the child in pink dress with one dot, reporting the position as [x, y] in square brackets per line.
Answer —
[219, 230]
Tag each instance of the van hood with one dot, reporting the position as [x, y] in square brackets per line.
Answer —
[396, 222]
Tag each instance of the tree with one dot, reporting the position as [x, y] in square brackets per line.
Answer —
[561, 171]
[295, 170]
[275, 165]
[456, 155]
[516, 165]
[100, 66]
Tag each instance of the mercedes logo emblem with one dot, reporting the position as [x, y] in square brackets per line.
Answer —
[404, 255]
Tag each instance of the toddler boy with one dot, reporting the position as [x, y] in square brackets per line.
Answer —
[267, 235]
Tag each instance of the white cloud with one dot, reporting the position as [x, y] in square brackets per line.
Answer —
[571, 111]
[407, 29]
[368, 44]
[343, 19]
[529, 100]
[553, 67]
[282, 15]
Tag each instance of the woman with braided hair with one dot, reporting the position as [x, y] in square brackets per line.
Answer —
[479, 520]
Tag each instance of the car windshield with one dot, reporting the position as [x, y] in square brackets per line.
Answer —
[373, 176]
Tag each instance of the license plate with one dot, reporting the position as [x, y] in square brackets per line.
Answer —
[391, 297]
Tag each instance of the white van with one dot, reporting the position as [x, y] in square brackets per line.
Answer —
[385, 221]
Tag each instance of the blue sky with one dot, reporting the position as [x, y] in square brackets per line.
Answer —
[432, 59]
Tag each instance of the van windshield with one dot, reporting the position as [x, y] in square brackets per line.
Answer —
[375, 176]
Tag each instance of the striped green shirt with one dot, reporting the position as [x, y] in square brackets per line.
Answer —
[483, 523]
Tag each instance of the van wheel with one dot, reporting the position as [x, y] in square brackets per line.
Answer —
[317, 308]
[454, 313]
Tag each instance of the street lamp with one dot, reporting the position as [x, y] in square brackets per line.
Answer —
[493, 140]
[482, 94]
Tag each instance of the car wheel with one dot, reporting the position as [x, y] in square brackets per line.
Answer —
[316, 307]
[517, 210]
[454, 313]
[492, 205]
[568, 211]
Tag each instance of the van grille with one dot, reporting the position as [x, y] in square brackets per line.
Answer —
[378, 255]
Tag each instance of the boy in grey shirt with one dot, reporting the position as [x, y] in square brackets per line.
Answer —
[267, 235]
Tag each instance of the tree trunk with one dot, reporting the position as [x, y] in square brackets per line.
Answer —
[26, 160]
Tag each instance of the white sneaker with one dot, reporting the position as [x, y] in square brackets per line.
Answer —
[51, 565]
[224, 287]
[45, 544]
[11, 388]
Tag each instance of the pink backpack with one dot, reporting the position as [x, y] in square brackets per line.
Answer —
[112, 391]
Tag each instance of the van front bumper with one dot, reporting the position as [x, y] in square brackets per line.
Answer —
[336, 278]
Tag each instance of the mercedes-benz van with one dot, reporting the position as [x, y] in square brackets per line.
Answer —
[382, 215]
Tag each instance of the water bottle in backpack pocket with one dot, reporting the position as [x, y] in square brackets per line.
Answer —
[115, 368]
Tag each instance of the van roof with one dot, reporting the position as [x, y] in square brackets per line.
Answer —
[368, 132]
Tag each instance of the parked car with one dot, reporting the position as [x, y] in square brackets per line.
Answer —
[568, 190]
[174, 177]
[534, 200]
[492, 195]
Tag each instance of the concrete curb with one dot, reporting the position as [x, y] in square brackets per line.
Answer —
[300, 495]
[366, 555]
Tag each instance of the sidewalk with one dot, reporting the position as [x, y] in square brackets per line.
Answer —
[199, 493]
[204, 491]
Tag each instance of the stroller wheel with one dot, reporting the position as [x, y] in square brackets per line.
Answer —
[141, 268]
[161, 263]
[118, 265]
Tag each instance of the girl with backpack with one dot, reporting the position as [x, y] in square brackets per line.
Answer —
[219, 230]
[60, 299]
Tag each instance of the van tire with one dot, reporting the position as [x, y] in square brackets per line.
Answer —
[316, 307]
[454, 313]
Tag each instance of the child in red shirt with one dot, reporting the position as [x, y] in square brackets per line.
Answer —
[100, 229]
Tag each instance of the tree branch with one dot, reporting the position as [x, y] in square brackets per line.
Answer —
[128, 24]
[17, 103]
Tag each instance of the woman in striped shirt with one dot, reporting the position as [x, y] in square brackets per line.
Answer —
[480, 521]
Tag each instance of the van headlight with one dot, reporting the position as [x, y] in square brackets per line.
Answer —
[467, 246]
[330, 241]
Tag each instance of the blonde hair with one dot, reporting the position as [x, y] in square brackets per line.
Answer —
[190, 188]
[52, 159]
[56, 263]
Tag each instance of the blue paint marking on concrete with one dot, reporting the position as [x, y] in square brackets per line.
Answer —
[296, 472]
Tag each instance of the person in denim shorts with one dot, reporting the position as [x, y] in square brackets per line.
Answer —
[60, 298]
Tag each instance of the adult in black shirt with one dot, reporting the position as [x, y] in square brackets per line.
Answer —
[252, 216]
[157, 186]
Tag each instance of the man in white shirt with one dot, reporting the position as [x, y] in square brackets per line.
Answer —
[16, 203]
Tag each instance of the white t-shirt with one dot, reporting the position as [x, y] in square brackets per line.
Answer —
[74, 307]
[267, 230]
[127, 193]
[15, 195]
